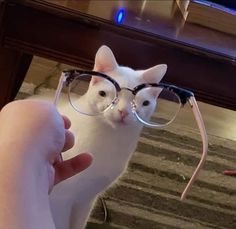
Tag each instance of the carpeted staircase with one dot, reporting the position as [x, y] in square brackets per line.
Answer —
[148, 194]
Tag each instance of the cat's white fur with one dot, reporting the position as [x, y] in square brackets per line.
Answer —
[110, 137]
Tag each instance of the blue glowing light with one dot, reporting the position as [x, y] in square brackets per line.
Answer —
[120, 16]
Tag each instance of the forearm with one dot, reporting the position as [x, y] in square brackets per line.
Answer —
[23, 196]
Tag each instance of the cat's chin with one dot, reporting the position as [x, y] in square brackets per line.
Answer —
[123, 123]
[118, 123]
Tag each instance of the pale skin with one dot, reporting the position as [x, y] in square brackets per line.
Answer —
[32, 136]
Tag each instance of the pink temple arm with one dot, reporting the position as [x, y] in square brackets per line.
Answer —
[59, 88]
[57, 94]
[203, 133]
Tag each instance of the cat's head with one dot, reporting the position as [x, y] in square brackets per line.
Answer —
[121, 114]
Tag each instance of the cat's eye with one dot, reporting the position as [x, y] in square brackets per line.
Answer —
[102, 93]
[146, 103]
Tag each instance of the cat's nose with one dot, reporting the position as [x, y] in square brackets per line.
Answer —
[123, 113]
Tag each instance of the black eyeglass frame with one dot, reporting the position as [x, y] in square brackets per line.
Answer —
[183, 94]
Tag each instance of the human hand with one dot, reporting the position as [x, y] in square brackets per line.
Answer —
[68, 168]
[32, 136]
[37, 134]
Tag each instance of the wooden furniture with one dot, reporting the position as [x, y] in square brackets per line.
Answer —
[152, 32]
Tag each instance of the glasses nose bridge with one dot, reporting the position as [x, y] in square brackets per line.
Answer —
[127, 89]
[131, 102]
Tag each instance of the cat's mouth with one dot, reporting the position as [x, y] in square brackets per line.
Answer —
[122, 121]
[118, 119]
[122, 117]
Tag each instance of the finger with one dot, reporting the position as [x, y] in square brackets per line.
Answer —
[69, 143]
[71, 167]
[58, 159]
[67, 122]
[230, 172]
[69, 140]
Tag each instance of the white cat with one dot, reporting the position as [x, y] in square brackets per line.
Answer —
[110, 137]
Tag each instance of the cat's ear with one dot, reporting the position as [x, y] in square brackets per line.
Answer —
[95, 80]
[105, 60]
[154, 74]
[155, 92]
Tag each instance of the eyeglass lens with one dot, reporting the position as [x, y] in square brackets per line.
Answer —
[157, 105]
[154, 105]
[97, 92]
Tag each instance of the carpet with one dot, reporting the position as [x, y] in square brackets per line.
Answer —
[147, 196]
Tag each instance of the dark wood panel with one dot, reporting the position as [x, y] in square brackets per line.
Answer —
[13, 67]
[74, 39]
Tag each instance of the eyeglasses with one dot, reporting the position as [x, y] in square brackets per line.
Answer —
[154, 105]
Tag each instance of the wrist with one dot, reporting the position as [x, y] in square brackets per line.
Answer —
[23, 182]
